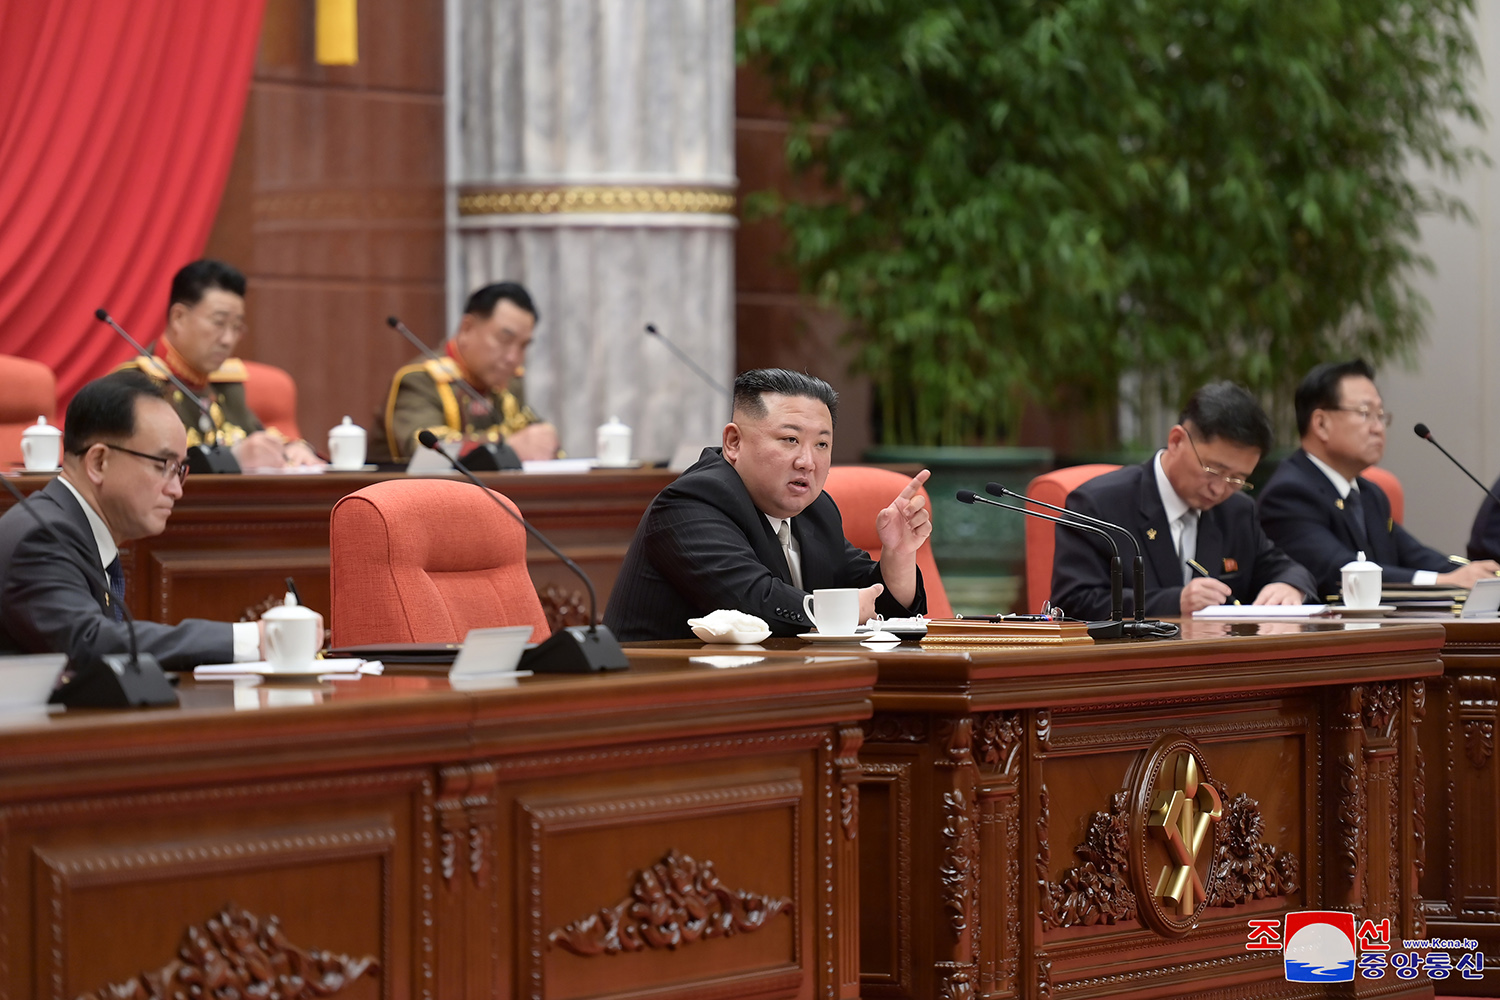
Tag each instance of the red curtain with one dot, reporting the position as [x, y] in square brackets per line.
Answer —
[118, 122]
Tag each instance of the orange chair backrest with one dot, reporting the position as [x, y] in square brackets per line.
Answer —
[862, 492]
[1052, 487]
[1388, 482]
[272, 395]
[28, 390]
[426, 560]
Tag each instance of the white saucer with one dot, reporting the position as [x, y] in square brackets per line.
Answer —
[834, 636]
[1378, 611]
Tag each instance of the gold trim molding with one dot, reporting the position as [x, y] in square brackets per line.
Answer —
[596, 198]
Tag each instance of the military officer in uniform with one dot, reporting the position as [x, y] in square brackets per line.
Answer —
[205, 320]
[487, 351]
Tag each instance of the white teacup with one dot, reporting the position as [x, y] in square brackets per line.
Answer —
[346, 446]
[613, 443]
[1362, 580]
[41, 446]
[294, 635]
[834, 612]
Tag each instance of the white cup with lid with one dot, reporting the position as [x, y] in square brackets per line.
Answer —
[346, 446]
[41, 446]
[1361, 583]
[293, 636]
[613, 444]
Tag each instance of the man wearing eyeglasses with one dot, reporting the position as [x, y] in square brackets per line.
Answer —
[1323, 512]
[124, 463]
[1187, 507]
[205, 321]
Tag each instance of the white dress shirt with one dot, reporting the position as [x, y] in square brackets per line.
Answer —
[1178, 516]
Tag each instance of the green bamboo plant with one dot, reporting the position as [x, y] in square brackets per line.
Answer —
[1025, 197]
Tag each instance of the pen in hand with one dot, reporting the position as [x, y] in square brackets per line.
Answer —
[1197, 566]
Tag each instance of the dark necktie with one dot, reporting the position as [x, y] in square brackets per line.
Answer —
[1355, 508]
[116, 589]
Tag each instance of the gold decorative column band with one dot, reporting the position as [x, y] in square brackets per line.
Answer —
[601, 198]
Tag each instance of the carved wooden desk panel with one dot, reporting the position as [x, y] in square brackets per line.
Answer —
[1461, 883]
[232, 540]
[1006, 847]
[676, 831]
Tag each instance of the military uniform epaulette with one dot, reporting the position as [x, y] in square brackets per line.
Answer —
[232, 370]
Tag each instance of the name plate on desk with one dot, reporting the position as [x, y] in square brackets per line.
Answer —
[1018, 633]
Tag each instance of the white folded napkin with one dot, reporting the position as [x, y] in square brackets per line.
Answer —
[725, 621]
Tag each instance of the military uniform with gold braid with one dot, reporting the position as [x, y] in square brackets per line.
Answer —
[225, 390]
[423, 397]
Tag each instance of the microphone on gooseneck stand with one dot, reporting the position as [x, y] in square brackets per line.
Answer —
[1140, 627]
[713, 383]
[487, 456]
[202, 458]
[105, 680]
[575, 649]
[1426, 435]
[1114, 628]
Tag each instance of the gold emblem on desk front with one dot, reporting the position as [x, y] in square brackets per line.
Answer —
[1172, 834]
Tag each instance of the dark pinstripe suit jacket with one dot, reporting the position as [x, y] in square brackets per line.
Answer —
[49, 604]
[702, 545]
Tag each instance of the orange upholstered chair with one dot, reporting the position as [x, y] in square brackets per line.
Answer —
[1388, 482]
[28, 390]
[1053, 488]
[272, 395]
[426, 560]
[861, 492]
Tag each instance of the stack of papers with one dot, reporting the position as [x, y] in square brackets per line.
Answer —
[342, 669]
[1262, 611]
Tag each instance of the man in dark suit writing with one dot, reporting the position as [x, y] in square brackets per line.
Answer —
[1323, 512]
[1202, 543]
[749, 528]
[125, 455]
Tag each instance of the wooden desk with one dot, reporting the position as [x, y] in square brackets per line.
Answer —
[1004, 840]
[232, 540]
[469, 844]
[1460, 883]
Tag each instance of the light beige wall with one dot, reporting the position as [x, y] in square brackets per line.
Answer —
[1455, 385]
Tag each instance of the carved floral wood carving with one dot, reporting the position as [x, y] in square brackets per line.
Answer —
[1244, 866]
[1381, 703]
[997, 740]
[1097, 891]
[1479, 741]
[675, 902]
[235, 954]
[1351, 811]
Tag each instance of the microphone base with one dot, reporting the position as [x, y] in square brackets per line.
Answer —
[1133, 630]
[575, 650]
[491, 458]
[109, 681]
[207, 459]
[1106, 630]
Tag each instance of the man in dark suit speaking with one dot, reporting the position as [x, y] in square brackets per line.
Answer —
[1202, 543]
[125, 454]
[1319, 508]
[749, 528]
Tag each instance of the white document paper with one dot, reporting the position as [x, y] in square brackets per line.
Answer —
[1263, 611]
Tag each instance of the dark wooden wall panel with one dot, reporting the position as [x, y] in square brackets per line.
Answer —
[334, 206]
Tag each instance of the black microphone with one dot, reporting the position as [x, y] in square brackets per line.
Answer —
[571, 650]
[652, 331]
[1425, 434]
[486, 457]
[203, 458]
[1138, 566]
[105, 680]
[1115, 627]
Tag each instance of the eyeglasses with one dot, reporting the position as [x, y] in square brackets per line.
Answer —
[1234, 482]
[170, 467]
[1366, 414]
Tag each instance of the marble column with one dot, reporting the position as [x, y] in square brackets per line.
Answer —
[591, 157]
